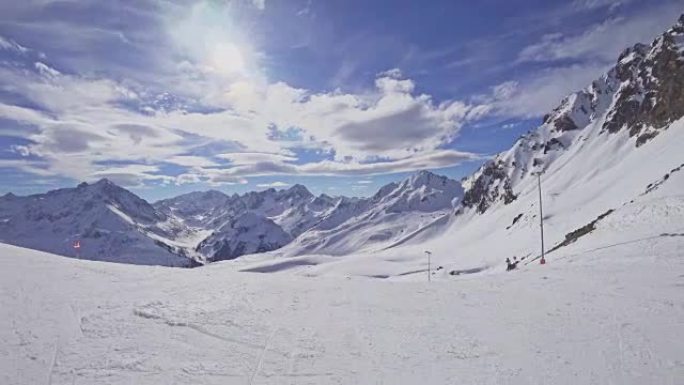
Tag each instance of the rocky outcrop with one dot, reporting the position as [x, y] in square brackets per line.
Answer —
[492, 184]
[651, 94]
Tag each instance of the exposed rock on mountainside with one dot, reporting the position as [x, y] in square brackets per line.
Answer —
[651, 94]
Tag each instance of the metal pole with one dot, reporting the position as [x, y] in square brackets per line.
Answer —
[541, 218]
[429, 262]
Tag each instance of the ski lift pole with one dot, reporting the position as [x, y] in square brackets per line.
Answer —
[429, 254]
[541, 218]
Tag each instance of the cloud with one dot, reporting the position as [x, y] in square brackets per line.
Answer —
[602, 41]
[192, 161]
[220, 121]
[540, 93]
[430, 160]
[391, 121]
[134, 175]
[239, 173]
[11, 45]
[246, 158]
[273, 184]
[573, 60]
[259, 4]
[595, 4]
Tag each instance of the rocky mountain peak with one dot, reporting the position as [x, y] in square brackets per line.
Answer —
[300, 191]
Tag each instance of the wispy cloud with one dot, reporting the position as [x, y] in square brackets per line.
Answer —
[602, 41]
[273, 184]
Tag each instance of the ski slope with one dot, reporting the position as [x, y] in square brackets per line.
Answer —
[611, 315]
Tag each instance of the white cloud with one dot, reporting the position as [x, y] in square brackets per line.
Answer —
[259, 4]
[275, 166]
[134, 175]
[387, 122]
[542, 92]
[8, 44]
[192, 161]
[21, 150]
[429, 160]
[385, 131]
[247, 158]
[594, 4]
[83, 125]
[591, 53]
[273, 184]
[46, 70]
[602, 41]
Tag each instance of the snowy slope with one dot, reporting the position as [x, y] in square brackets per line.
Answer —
[111, 223]
[607, 316]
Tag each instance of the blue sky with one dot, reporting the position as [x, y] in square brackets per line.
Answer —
[165, 96]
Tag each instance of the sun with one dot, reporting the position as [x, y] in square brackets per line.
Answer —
[211, 36]
[226, 58]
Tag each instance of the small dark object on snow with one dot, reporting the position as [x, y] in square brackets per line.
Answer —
[511, 265]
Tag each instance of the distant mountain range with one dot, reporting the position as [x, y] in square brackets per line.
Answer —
[113, 224]
[610, 138]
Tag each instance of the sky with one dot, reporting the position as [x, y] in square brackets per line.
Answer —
[170, 96]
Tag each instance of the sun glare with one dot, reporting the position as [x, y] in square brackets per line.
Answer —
[210, 35]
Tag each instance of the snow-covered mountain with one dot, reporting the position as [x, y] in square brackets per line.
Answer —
[610, 154]
[640, 97]
[253, 222]
[247, 233]
[111, 223]
[396, 212]
[267, 220]
[197, 208]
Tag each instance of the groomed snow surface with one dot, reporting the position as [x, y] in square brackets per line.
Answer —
[612, 315]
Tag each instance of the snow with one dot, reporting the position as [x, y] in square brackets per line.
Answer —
[609, 316]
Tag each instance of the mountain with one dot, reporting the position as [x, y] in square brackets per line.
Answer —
[196, 208]
[395, 212]
[609, 155]
[252, 222]
[247, 233]
[267, 220]
[111, 223]
[640, 97]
